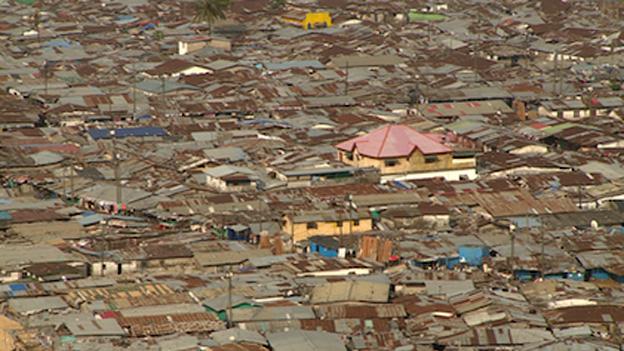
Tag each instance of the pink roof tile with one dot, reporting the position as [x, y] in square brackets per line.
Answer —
[393, 141]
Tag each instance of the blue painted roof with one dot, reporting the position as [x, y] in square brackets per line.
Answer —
[60, 43]
[5, 216]
[125, 19]
[104, 133]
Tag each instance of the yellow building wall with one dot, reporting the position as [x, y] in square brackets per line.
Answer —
[300, 231]
[311, 18]
[314, 18]
[413, 164]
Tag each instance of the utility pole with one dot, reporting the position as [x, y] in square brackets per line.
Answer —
[341, 221]
[347, 79]
[133, 90]
[45, 76]
[71, 177]
[350, 199]
[512, 253]
[65, 181]
[162, 86]
[110, 102]
[229, 306]
[118, 199]
[292, 227]
[558, 81]
[102, 261]
[429, 29]
[542, 261]
[580, 196]
[477, 48]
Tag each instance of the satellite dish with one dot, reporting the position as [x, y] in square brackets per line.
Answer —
[594, 224]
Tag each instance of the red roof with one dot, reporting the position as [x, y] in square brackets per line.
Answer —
[393, 141]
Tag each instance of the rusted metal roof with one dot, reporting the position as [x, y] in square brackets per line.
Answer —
[169, 324]
[360, 311]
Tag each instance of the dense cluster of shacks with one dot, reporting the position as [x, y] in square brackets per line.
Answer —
[171, 185]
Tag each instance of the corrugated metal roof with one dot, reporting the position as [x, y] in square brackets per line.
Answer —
[356, 290]
[30, 305]
[300, 340]
[86, 325]
[277, 66]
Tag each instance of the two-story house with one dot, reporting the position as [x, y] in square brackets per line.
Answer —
[402, 153]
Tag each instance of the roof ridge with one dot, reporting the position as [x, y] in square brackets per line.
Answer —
[383, 142]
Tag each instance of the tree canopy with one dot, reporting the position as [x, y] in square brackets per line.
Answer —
[209, 11]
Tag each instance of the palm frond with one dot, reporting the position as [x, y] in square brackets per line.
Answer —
[209, 11]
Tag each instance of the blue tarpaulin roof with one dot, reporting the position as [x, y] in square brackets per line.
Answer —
[104, 133]
[18, 287]
[149, 26]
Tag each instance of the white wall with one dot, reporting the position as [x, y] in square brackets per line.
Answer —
[455, 174]
[182, 48]
[524, 170]
[110, 268]
[216, 183]
[10, 277]
[616, 144]
[339, 272]
[530, 149]
[192, 71]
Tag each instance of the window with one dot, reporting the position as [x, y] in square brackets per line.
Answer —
[463, 155]
[356, 222]
[349, 156]
[311, 225]
[391, 162]
[339, 224]
[431, 159]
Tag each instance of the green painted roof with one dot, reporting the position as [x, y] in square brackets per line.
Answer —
[557, 128]
[464, 125]
[425, 16]
[26, 2]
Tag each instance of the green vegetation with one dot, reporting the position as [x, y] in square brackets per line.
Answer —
[158, 35]
[277, 4]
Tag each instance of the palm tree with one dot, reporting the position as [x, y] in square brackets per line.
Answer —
[209, 11]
